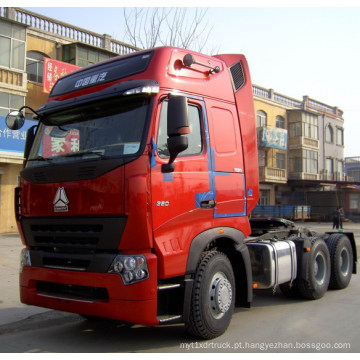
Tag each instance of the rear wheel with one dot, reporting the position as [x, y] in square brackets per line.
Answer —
[341, 255]
[316, 281]
[213, 297]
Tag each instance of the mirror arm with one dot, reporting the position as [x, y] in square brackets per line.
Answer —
[28, 107]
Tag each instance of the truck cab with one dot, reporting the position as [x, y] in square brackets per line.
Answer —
[136, 191]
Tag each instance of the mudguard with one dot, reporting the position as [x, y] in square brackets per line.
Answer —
[231, 242]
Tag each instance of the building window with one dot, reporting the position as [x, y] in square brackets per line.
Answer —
[262, 157]
[280, 161]
[295, 129]
[340, 167]
[12, 45]
[354, 202]
[295, 164]
[35, 66]
[310, 161]
[261, 118]
[280, 122]
[354, 174]
[310, 126]
[329, 134]
[340, 137]
[10, 102]
[264, 198]
[330, 166]
[83, 55]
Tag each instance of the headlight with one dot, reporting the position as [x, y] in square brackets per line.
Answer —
[131, 268]
[24, 259]
[143, 90]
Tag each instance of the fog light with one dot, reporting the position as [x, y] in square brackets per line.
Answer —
[140, 274]
[118, 266]
[128, 276]
[24, 259]
[131, 268]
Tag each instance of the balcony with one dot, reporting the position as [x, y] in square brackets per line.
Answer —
[301, 141]
[272, 175]
[336, 176]
[303, 176]
[13, 79]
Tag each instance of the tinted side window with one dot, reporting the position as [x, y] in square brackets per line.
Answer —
[195, 141]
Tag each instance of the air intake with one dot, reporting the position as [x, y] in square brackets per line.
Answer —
[237, 75]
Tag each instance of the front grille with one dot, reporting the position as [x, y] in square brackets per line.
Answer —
[74, 234]
[71, 292]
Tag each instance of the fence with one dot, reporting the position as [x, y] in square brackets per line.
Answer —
[291, 212]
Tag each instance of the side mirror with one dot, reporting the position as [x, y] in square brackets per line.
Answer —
[15, 120]
[177, 127]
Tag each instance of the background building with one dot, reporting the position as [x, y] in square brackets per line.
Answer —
[352, 171]
[312, 161]
[301, 143]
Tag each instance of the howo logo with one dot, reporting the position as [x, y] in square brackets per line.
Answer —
[61, 201]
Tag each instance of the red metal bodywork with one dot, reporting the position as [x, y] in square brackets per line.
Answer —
[227, 167]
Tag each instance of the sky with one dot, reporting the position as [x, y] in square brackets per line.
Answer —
[305, 48]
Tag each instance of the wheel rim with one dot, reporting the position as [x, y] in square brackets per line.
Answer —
[320, 268]
[220, 295]
[344, 262]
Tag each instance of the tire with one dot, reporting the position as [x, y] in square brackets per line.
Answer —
[213, 296]
[317, 277]
[341, 256]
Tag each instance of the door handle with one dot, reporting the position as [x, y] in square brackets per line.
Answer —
[208, 204]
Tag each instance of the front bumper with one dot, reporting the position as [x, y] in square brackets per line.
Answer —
[95, 294]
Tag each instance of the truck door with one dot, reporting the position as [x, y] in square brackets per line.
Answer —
[227, 164]
[180, 198]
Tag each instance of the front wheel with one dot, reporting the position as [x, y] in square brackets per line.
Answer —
[213, 297]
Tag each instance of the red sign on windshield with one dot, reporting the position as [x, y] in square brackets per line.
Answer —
[56, 146]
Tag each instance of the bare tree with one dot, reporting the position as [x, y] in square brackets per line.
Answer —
[150, 27]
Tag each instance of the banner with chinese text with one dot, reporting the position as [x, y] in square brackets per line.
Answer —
[54, 70]
[272, 137]
[56, 145]
[13, 140]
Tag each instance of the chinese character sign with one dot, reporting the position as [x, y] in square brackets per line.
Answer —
[54, 70]
[13, 140]
[272, 137]
[55, 146]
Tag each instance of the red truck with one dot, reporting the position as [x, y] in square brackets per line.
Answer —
[138, 183]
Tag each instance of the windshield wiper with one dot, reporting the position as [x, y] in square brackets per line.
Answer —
[40, 158]
[99, 153]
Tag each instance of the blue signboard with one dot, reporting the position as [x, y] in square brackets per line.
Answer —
[272, 137]
[13, 140]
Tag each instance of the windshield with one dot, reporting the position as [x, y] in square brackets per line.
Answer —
[106, 129]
